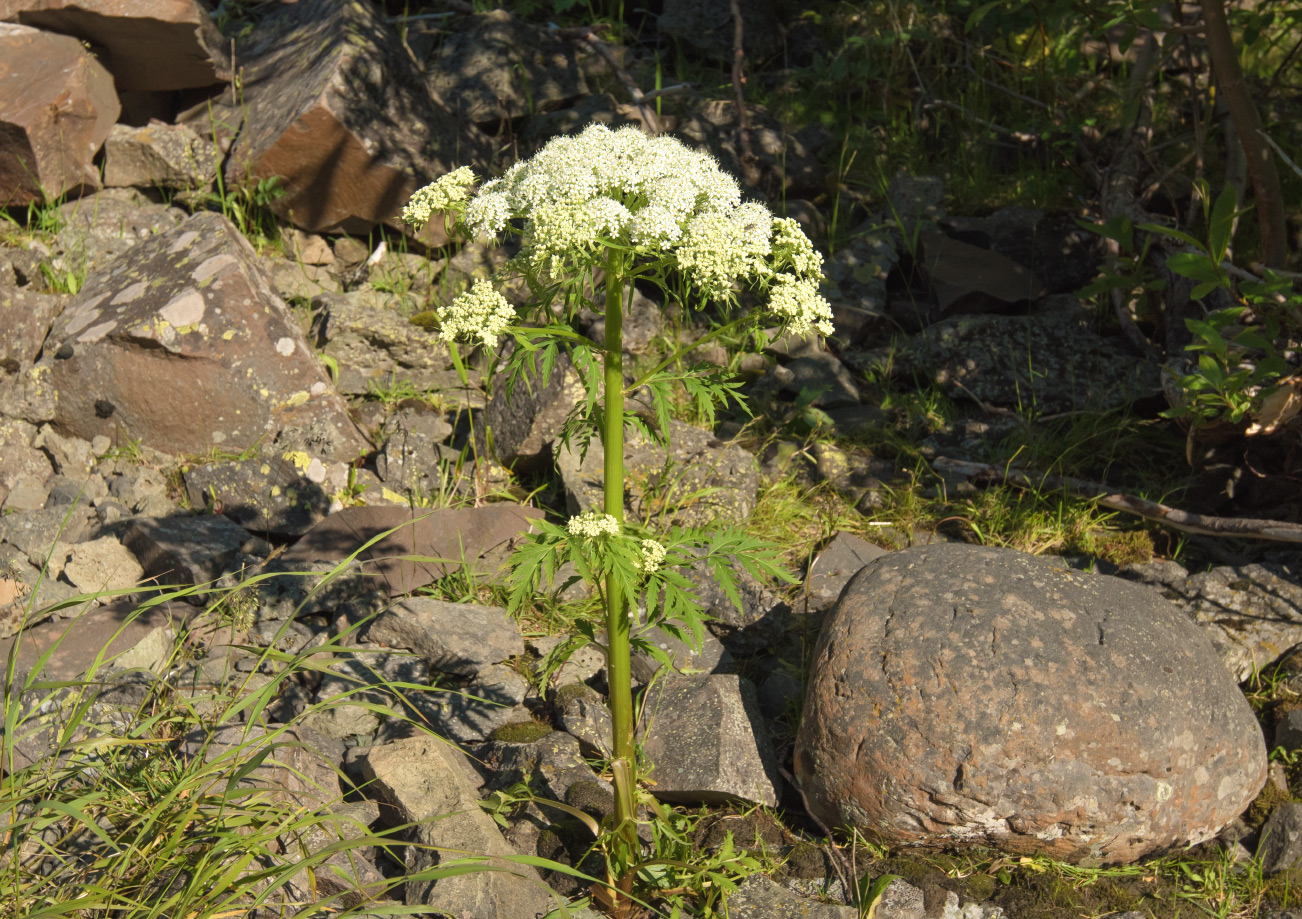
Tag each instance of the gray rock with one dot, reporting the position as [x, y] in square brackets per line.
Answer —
[100, 228]
[915, 199]
[184, 550]
[900, 900]
[699, 481]
[708, 26]
[34, 533]
[776, 694]
[101, 564]
[358, 687]
[373, 345]
[1154, 746]
[643, 321]
[969, 279]
[759, 897]
[262, 495]
[456, 638]
[159, 155]
[582, 713]
[474, 711]
[825, 377]
[710, 657]
[839, 561]
[548, 765]
[1281, 839]
[707, 741]
[301, 765]
[1288, 729]
[500, 68]
[18, 458]
[426, 782]
[1251, 613]
[524, 420]
[409, 459]
[26, 493]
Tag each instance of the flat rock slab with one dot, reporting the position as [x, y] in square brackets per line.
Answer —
[147, 45]
[190, 304]
[707, 740]
[57, 105]
[115, 634]
[700, 480]
[1069, 367]
[964, 695]
[427, 782]
[336, 109]
[457, 638]
[423, 545]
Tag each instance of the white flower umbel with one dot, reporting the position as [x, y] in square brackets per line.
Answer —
[592, 524]
[480, 313]
[653, 556]
[797, 302]
[444, 194]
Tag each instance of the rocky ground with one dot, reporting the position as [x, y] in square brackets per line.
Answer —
[217, 369]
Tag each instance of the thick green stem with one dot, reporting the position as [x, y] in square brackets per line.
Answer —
[618, 668]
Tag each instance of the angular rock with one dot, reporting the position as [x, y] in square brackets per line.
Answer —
[190, 304]
[159, 155]
[302, 765]
[265, 496]
[710, 657]
[548, 765]
[1251, 613]
[823, 377]
[25, 318]
[424, 781]
[356, 688]
[410, 450]
[35, 532]
[1152, 746]
[57, 104]
[184, 550]
[402, 558]
[500, 68]
[101, 564]
[118, 634]
[522, 422]
[97, 229]
[759, 897]
[147, 46]
[1280, 847]
[708, 743]
[18, 458]
[1060, 252]
[471, 713]
[373, 345]
[582, 713]
[700, 480]
[839, 561]
[456, 638]
[336, 110]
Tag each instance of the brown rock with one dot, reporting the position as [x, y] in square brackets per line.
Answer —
[410, 557]
[111, 634]
[336, 109]
[184, 346]
[158, 156]
[57, 104]
[148, 45]
[964, 695]
[25, 317]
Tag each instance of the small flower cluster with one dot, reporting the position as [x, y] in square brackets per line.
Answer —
[445, 194]
[593, 524]
[653, 556]
[797, 302]
[480, 313]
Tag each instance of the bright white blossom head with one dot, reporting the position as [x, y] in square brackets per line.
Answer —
[447, 192]
[480, 313]
[593, 524]
[653, 556]
[797, 302]
[654, 195]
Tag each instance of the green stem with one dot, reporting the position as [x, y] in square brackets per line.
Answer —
[619, 674]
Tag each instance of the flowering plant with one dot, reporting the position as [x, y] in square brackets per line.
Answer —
[608, 208]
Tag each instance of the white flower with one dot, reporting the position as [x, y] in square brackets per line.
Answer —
[488, 212]
[480, 312]
[792, 245]
[447, 192]
[592, 524]
[797, 302]
[653, 556]
[720, 248]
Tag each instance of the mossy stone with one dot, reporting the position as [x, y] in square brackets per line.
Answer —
[522, 732]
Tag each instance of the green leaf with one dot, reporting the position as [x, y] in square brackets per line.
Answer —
[1221, 224]
[1173, 233]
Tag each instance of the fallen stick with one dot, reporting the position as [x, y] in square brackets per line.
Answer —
[1176, 519]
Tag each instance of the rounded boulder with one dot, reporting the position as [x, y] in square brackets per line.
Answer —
[965, 695]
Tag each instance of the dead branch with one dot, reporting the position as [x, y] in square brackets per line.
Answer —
[744, 151]
[1176, 519]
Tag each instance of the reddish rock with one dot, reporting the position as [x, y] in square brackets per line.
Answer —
[183, 345]
[336, 109]
[963, 695]
[148, 45]
[57, 104]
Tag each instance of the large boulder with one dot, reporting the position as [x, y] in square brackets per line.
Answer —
[336, 109]
[184, 346]
[964, 695]
[57, 105]
[148, 45]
